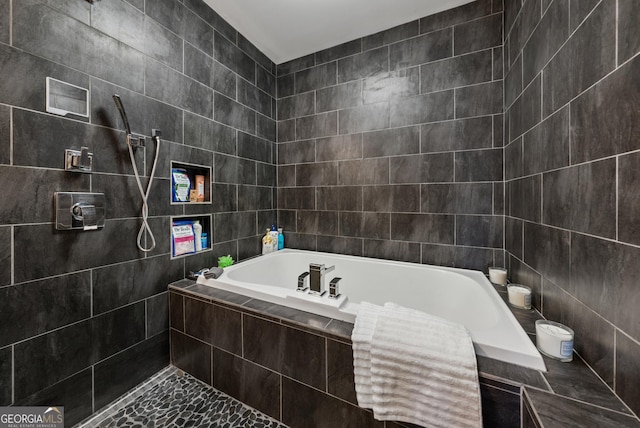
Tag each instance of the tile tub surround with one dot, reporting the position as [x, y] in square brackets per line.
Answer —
[83, 316]
[273, 351]
[390, 146]
[572, 98]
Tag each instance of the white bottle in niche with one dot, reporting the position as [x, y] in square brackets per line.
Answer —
[197, 231]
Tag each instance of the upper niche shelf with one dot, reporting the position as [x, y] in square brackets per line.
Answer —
[191, 171]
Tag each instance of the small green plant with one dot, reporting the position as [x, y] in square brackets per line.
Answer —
[225, 261]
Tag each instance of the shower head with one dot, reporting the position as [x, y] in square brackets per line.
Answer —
[120, 107]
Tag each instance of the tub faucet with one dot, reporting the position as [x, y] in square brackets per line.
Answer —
[316, 279]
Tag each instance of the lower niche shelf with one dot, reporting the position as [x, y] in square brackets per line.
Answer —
[183, 235]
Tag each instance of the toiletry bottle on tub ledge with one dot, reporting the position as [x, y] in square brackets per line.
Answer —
[268, 244]
[280, 239]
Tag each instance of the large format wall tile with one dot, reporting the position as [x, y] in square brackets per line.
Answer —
[628, 199]
[419, 50]
[627, 370]
[6, 368]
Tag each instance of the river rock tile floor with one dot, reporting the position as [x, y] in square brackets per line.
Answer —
[176, 399]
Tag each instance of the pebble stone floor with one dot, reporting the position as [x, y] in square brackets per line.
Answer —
[173, 398]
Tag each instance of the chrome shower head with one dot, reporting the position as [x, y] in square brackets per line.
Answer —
[120, 107]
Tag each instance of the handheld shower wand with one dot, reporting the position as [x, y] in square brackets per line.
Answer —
[143, 193]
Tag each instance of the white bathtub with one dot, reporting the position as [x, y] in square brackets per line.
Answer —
[459, 295]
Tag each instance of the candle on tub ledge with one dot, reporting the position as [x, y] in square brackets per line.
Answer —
[498, 275]
[554, 340]
[519, 296]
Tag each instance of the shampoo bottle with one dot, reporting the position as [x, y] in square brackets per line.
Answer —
[274, 236]
[197, 231]
[280, 239]
[267, 243]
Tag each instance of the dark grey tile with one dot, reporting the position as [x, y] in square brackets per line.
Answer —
[524, 25]
[216, 325]
[391, 142]
[340, 147]
[168, 13]
[455, 16]
[396, 198]
[74, 393]
[339, 51]
[233, 57]
[266, 81]
[266, 126]
[500, 409]
[209, 15]
[222, 79]
[317, 174]
[176, 311]
[61, 252]
[365, 225]
[391, 250]
[513, 237]
[251, 96]
[478, 34]
[340, 245]
[454, 256]
[459, 134]
[176, 89]
[230, 169]
[247, 382]
[255, 148]
[478, 100]
[521, 273]
[553, 410]
[255, 53]
[547, 250]
[255, 198]
[498, 60]
[546, 146]
[266, 175]
[5, 8]
[296, 64]
[191, 355]
[549, 35]
[285, 85]
[316, 77]
[224, 197]
[5, 255]
[479, 231]
[120, 20]
[300, 401]
[583, 60]
[64, 40]
[292, 352]
[458, 71]
[198, 32]
[457, 198]
[5, 135]
[121, 284]
[234, 114]
[341, 198]
[514, 161]
[157, 314]
[365, 118]
[228, 226]
[392, 35]
[366, 64]
[297, 198]
[627, 370]
[429, 168]
[595, 134]
[590, 276]
[628, 33]
[6, 369]
[434, 107]
[432, 228]
[478, 165]
[341, 96]
[296, 152]
[513, 83]
[525, 198]
[67, 297]
[286, 130]
[524, 113]
[287, 176]
[319, 125]
[340, 380]
[528, 418]
[301, 241]
[498, 130]
[162, 45]
[419, 50]
[116, 375]
[317, 222]
[628, 203]
[582, 198]
[297, 106]
[388, 86]
[512, 372]
[74, 348]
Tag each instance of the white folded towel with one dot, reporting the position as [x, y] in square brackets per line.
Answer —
[422, 368]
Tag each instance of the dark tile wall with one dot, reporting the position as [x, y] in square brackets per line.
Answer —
[571, 114]
[84, 316]
[390, 145]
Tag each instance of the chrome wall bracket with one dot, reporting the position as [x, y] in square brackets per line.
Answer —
[78, 160]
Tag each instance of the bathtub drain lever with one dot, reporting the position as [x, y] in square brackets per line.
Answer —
[303, 280]
[333, 288]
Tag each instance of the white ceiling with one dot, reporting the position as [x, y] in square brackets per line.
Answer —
[288, 29]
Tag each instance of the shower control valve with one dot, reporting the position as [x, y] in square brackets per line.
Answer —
[78, 160]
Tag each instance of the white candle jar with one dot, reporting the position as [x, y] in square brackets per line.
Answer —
[519, 296]
[554, 340]
[498, 275]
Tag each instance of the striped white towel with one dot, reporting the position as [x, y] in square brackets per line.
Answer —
[423, 370]
[361, 338]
